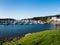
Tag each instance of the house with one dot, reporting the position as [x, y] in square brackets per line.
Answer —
[55, 19]
[7, 21]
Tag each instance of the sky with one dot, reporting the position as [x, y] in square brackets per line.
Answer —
[20, 9]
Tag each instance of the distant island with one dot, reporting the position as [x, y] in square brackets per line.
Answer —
[55, 19]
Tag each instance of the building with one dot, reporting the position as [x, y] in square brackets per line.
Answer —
[7, 21]
[55, 19]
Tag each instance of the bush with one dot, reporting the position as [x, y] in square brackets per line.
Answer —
[49, 37]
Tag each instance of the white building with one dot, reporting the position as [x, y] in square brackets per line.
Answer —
[55, 19]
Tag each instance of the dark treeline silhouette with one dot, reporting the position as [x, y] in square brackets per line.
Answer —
[45, 18]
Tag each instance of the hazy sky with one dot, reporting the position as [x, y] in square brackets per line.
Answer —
[28, 8]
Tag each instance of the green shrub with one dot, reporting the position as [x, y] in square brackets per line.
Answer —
[49, 37]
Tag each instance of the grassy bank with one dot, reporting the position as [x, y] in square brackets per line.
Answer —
[48, 37]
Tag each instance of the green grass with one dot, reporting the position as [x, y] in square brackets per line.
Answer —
[48, 37]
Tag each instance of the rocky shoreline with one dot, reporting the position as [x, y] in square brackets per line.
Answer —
[9, 39]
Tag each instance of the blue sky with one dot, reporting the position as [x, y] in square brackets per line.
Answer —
[20, 9]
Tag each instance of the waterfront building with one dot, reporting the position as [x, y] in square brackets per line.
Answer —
[7, 21]
[55, 19]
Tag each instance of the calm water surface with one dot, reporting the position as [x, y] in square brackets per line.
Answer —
[16, 30]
